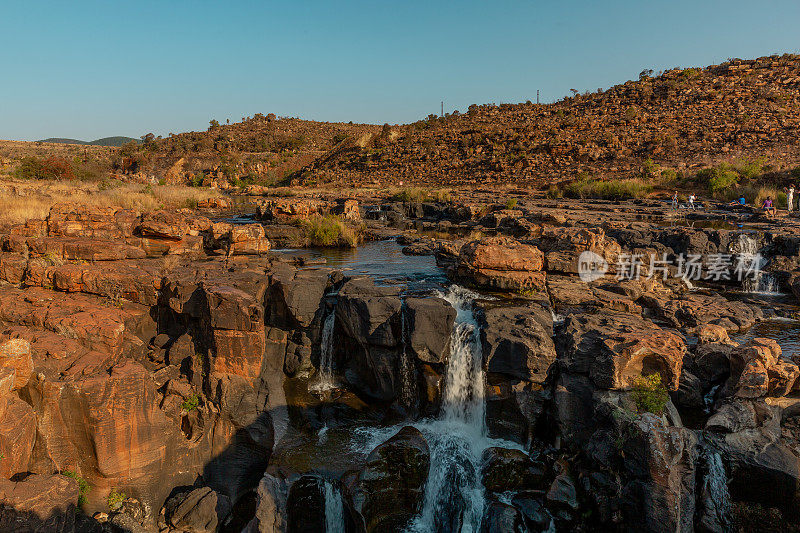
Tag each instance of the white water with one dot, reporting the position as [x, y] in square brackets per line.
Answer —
[457, 440]
[408, 392]
[334, 509]
[758, 282]
[325, 381]
[717, 499]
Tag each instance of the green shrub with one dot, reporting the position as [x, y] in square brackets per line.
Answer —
[511, 203]
[115, 499]
[609, 190]
[719, 178]
[649, 394]
[83, 485]
[191, 403]
[329, 230]
[554, 192]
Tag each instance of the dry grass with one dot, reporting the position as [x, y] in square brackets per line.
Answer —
[24, 200]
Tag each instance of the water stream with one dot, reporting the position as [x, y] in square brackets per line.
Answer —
[757, 282]
[325, 380]
[334, 509]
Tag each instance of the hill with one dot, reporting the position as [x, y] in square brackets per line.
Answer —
[105, 141]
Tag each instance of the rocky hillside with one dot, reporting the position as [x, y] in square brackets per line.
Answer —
[680, 118]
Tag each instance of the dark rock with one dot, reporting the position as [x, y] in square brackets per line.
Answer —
[502, 518]
[505, 469]
[390, 488]
[430, 324]
[200, 511]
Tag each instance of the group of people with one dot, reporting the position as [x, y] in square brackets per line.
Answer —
[767, 205]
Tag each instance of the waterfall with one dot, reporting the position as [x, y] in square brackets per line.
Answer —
[454, 496]
[325, 381]
[334, 509]
[757, 281]
[408, 392]
[715, 495]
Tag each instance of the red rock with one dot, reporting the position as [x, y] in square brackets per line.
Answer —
[501, 253]
[17, 435]
[39, 503]
[15, 354]
[712, 333]
[71, 220]
[238, 352]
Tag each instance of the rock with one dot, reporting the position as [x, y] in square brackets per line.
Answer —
[533, 511]
[39, 503]
[516, 344]
[562, 247]
[305, 505]
[429, 326]
[74, 220]
[270, 514]
[17, 434]
[660, 463]
[505, 469]
[502, 518]
[712, 333]
[562, 493]
[693, 310]
[164, 225]
[613, 349]
[388, 491]
[751, 364]
[199, 511]
[501, 263]
[15, 354]
[368, 340]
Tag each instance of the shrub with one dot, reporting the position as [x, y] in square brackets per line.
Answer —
[83, 485]
[329, 230]
[50, 168]
[649, 394]
[115, 499]
[608, 190]
[554, 193]
[191, 403]
[511, 203]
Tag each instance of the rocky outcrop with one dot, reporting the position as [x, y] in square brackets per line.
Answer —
[388, 491]
[615, 348]
[501, 263]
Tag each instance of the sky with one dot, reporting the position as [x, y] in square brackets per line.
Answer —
[90, 69]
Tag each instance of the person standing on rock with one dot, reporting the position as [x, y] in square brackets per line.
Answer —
[691, 201]
[790, 198]
[675, 200]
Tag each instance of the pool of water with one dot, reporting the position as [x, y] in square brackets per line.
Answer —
[385, 262]
[785, 331]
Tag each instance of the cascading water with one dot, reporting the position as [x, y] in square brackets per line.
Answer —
[325, 381]
[408, 392]
[715, 496]
[454, 496]
[334, 509]
[757, 281]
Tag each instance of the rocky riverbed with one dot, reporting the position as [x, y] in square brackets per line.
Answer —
[206, 371]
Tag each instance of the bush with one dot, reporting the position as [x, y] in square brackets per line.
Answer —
[50, 168]
[329, 230]
[83, 485]
[115, 499]
[649, 394]
[554, 193]
[191, 403]
[511, 203]
[607, 190]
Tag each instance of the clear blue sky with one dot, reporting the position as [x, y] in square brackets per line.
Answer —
[89, 69]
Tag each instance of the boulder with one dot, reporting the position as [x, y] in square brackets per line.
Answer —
[501, 263]
[614, 349]
[502, 518]
[505, 469]
[368, 338]
[198, 511]
[270, 516]
[429, 323]
[388, 491]
[562, 247]
[517, 342]
[757, 370]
